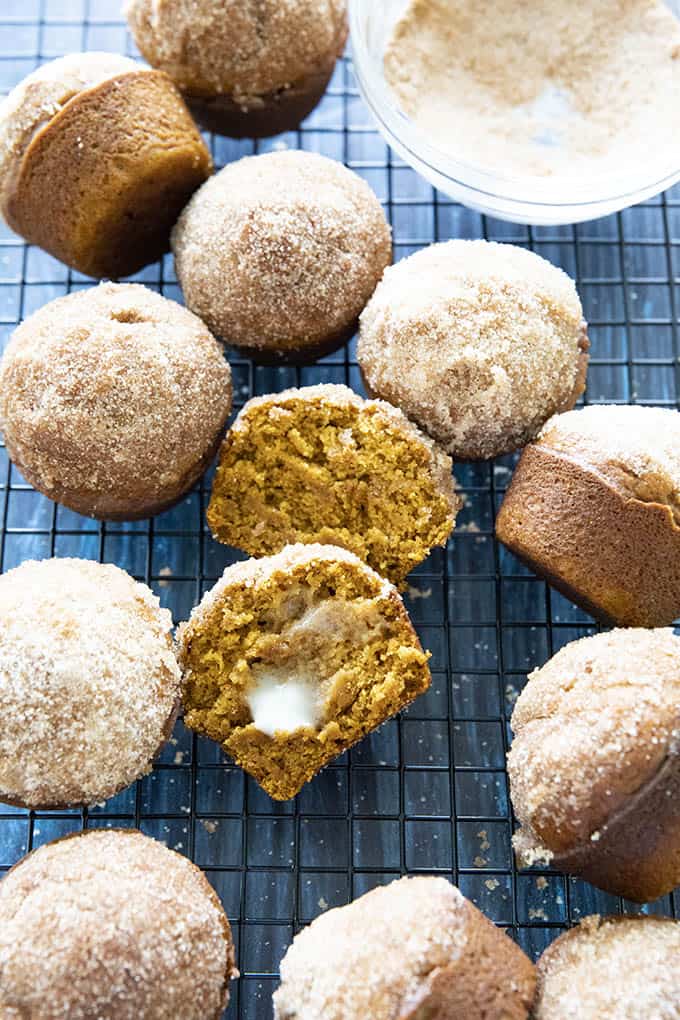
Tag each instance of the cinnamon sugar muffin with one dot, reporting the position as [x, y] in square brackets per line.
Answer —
[478, 343]
[413, 949]
[320, 464]
[89, 684]
[621, 968]
[98, 156]
[594, 507]
[113, 400]
[291, 659]
[111, 925]
[245, 69]
[595, 764]
[279, 253]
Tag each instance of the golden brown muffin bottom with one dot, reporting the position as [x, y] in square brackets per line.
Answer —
[120, 506]
[103, 182]
[636, 854]
[271, 114]
[616, 557]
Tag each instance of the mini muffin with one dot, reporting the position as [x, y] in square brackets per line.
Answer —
[279, 253]
[113, 400]
[111, 925]
[478, 343]
[291, 659]
[595, 764]
[594, 507]
[410, 950]
[322, 465]
[89, 684]
[621, 968]
[98, 156]
[245, 69]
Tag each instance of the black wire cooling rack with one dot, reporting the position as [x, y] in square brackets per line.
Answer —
[428, 792]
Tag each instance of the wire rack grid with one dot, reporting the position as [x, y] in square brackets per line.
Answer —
[428, 792]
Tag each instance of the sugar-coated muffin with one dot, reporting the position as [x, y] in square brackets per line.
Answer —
[245, 69]
[413, 949]
[89, 683]
[595, 764]
[113, 400]
[320, 464]
[98, 156]
[479, 344]
[621, 968]
[594, 507]
[111, 925]
[291, 659]
[279, 253]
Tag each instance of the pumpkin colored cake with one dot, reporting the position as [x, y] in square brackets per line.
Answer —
[292, 658]
[322, 465]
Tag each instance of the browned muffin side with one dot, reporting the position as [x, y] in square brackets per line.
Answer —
[594, 507]
[411, 950]
[98, 156]
[595, 764]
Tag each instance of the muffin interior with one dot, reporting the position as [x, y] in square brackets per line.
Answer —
[289, 672]
[332, 473]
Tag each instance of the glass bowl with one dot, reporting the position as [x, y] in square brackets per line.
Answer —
[530, 199]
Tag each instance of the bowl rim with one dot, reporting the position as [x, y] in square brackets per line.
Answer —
[540, 192]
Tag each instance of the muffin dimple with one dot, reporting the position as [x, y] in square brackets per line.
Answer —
[112, 924]
[89, 683]
[113, 399]
[479, 343]
[280, 252]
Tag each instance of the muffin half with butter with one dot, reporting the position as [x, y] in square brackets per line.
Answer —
[293, 658]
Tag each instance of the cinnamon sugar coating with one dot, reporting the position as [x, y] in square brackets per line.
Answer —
[89, 683]
[111, 925]
[113, 400]
[279, 253]
[479, 343]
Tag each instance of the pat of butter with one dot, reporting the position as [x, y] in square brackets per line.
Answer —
[280, 702]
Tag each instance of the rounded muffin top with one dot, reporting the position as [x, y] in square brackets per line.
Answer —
[592, 726]
[281, 250]
[478, 342]
[42, 94]
[622, 968]
[368, 958]
[635, 448]
[111, 923]
[244, 50]
[88, 681]
[113, 390]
